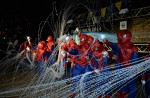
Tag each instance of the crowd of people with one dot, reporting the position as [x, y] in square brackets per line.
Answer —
[40, 53]
[89, 55]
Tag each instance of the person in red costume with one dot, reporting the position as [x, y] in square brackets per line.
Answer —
[82, 65]
[68, 51]
[40, 58]
[90, 41]
[50, 49]
[124, 51]
[40, 50]
[80, 60]
[72, 53]
[83, 41]
[101, 58]
[72, 46]
[63, 58]
[50, 44]
[100, 55]
[63, 51]
[26, 49]
[26, 45]
[146, 78]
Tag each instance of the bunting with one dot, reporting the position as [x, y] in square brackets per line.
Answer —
[118, 5]
[110, 8]
[103, 10]
[90, 14]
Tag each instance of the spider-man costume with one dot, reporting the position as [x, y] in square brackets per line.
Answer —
[125, 51]
[71, 55]
[82, 61]
[100, 55]
[50, 49]
[40, 58]
[50, 44]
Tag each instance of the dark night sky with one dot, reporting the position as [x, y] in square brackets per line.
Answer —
[20, 13]
[27, 8]
[37, 9]
[23, 11]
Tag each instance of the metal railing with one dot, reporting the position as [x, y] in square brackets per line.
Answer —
[142, 48]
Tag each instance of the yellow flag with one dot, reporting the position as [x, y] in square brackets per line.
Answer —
[103, 10]
[118, 5]
[90, 14]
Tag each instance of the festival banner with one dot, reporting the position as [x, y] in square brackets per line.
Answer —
[103, 11]
[110, 8]
[118, 5]
[90, 14]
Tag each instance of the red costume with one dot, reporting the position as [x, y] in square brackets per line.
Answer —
[100, 54]
[63, 51]
[72, 45]
[84, 46]
[50, 44]
[90, 43]
[27, 49]
[24, 46]
[27, 46]
[40, 50]
[83, 39]
[82, 61]
[125, 51]
[90, 40]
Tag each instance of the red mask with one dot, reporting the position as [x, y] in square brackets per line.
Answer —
[49, 38]
[90, 39]
[97, 46]
[72, 44]
[40, 45]
[124, 36]
[83, 39]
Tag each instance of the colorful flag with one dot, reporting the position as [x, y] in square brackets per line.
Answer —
[103, 10]
[110, 8]
[90, 14]
[118, 5]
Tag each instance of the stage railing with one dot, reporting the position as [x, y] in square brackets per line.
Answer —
[142, 48]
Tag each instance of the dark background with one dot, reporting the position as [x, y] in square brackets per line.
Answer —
[24, 16]
[37, 10]
[20, 18]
